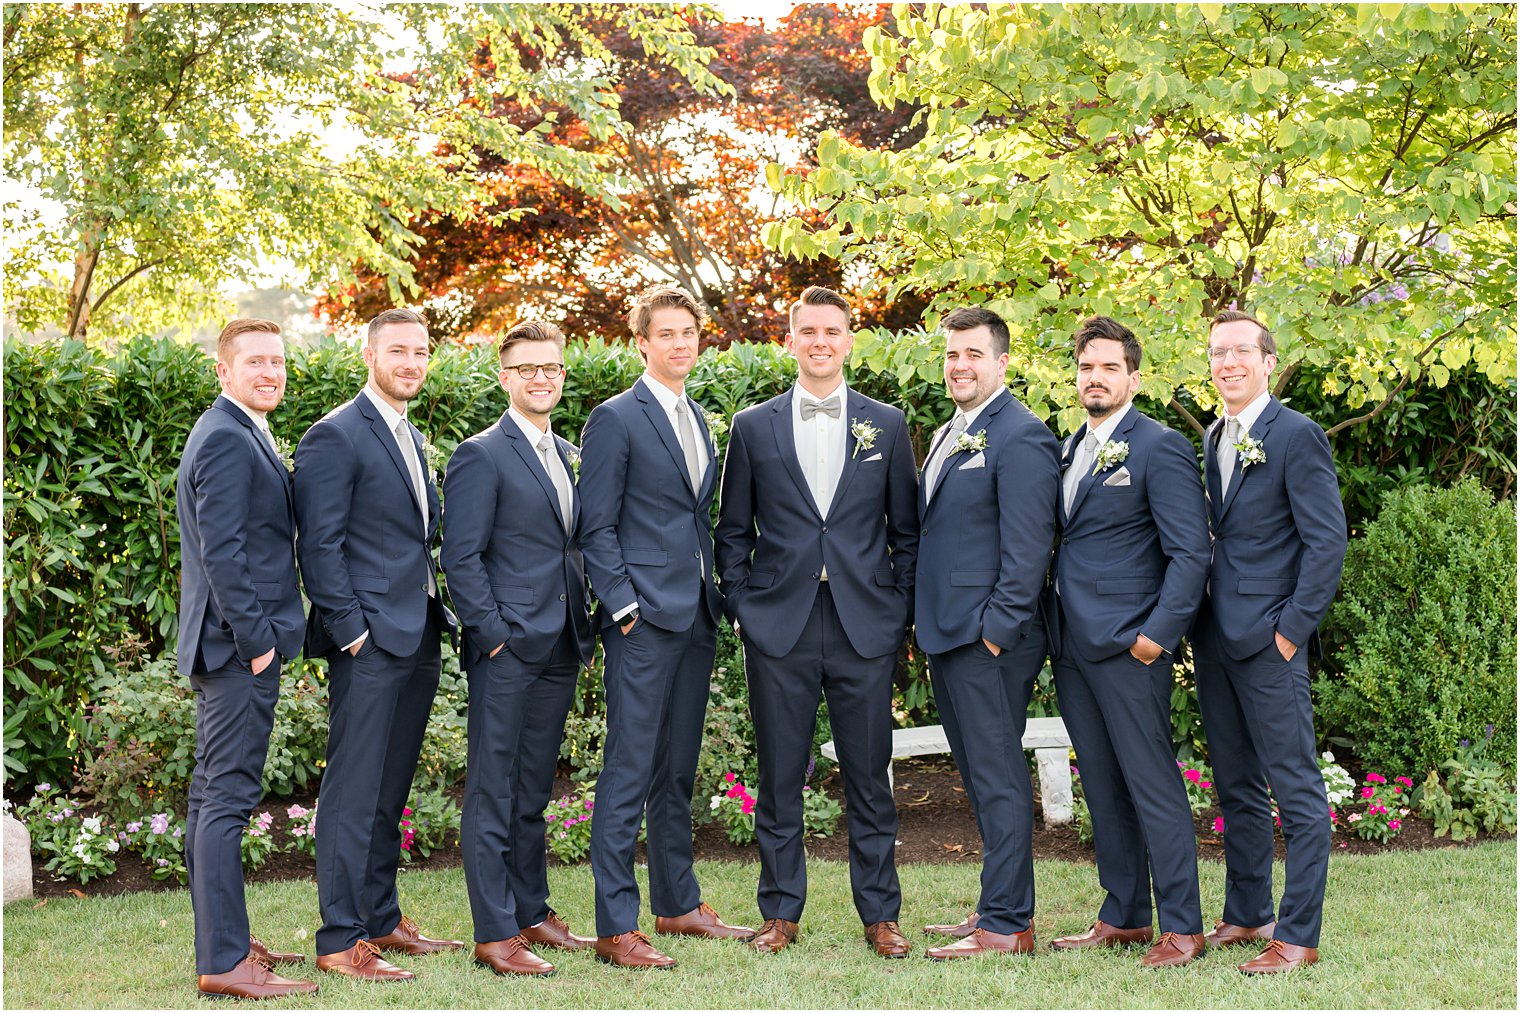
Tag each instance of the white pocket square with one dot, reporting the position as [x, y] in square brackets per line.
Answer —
[979, 461]
[1120, 477]
[873, 457]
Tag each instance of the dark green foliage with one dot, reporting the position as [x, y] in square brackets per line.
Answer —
[1422, 638]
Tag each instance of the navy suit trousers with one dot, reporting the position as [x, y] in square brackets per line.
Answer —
[783, 699]
[1118, 712]
[657, 683]
[234, 714]
[516, 720]
[378, 706]
[1260, 725]
[988, 709]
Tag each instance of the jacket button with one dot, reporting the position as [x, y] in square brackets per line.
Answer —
[697, 554]
[1065, 541]
[815, 576]
[561, 597]
[825, 527]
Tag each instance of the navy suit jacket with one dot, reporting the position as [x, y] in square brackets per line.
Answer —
[515, 576]
[365, 552]
[1132, 557]
[237, 527]
[773, 542]
[1279, 536]
[646, 537]
[985, 536]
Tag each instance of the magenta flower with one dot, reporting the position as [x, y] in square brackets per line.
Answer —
[1205, 784]
[1192, 774]
[1393, 824]
[1368, 792]
[1377, 778]
[1406, 782]
[1218, 824]
[730, 777]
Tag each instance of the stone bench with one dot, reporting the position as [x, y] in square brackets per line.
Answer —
[1046, 736]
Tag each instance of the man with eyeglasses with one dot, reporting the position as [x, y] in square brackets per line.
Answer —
[519, 589]
[1279, 540]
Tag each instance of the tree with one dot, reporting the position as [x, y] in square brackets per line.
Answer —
[183, 140]
[689, 205]
[1347, 171]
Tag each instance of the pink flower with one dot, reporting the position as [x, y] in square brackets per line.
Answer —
[295, 812]
[1192, 774]
[1368, 792]
[1406, 782]
[1393, 824]
[134, 826]
[748, 806]
[159, 823]
[1354, 818]
[1205, 784]
[730, 777]
[588, 804]
[737, 791]
[1397, 789]
[1218, 824]
[406, 810]
[1377, 778]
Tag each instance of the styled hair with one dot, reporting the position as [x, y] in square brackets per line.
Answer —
[400, 315]
[1096, 328]
[1263, 338]
[226, 342]
[662, 297]
[817, 295]
[530, 330]
[971, 317]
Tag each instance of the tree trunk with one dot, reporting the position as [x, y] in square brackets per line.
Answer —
[79, 290]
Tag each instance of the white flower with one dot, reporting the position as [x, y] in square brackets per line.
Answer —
[865, 435]
[717, 800]
[574, 457]
[717, 424]
[434, 457]
[970, 443]
[1111, 453]
[92, 824]
[1250, 452]
[286, 453]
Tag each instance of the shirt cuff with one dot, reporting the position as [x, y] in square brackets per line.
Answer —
[619, 615]
[362, 638]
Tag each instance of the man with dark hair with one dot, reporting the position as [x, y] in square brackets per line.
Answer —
[816, 542]
[239, 620]
[519, 587]
[1128, 575]
[368, 510]
[990, 491]
[647, 482]
[1279, 541]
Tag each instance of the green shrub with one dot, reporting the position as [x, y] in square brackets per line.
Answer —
[1422, 637]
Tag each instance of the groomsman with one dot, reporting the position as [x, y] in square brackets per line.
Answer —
[1128, 575]
[1279, 541]
[647, 482]
[239, 620]
[368, 511]
[816, 542]
[518, 585]
[990, 492]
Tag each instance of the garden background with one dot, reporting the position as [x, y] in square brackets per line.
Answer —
[1345, 171]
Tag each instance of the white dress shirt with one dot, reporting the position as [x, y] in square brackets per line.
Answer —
[819, 442]
[668, 400]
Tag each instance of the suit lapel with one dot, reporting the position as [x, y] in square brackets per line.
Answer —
[565, 447]
[1257, 432]
[393, 449]
[1211, 438]
[528, 454]
[267, 447]
[982, 422]
[710, 474]
[856, 412]
[655, 412]
[786, 446]
[1094, 476]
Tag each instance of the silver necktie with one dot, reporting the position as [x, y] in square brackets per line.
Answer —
[943, 451]
[687, 430]
[1080, 466]
[556, 471]
[413, 467]
[1227, 454]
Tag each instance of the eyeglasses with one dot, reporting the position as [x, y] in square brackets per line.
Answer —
[528, 372]
[1241, 353]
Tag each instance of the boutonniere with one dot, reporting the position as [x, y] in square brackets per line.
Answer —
[574, 457]
[1249, 452]
[971, 443]
[286, 453]
[433, 456]
[717, 424]
[865, 435]
[1111, 453]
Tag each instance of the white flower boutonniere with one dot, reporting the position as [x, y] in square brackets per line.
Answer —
[971, 443]
[286, 453]
[575, 464]
[1111, 453]
[865, 435]
[433, 456]
[1250, 452]
[717, 424]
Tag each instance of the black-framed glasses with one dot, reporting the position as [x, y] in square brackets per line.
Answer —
[528, 372]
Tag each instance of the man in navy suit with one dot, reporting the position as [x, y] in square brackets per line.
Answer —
[368, 511]
[519, 588]
[647, 480]
[988, 502]
[239, 620]
[816, 540]
[1279, 541]
[1128, 575]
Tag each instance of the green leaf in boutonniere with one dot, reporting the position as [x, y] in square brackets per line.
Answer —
[865, 435]
[1111, 453]
[1250, 452]
[575, 463]
[286, 453]
[971, 443]
[717, 424]
[433, 456]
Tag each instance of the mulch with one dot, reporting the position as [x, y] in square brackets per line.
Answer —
[935, 826]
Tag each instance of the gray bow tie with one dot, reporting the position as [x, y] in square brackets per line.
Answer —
[829, 406]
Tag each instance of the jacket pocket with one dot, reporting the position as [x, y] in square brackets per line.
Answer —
[885, 578]
[1127, 585]
[760, 578]
[507, 594]
[265, 591]
[1280, 586]
[365, 582]
[973, 578]
[645, 557]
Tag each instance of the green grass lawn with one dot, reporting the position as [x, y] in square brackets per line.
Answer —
[1427, 929]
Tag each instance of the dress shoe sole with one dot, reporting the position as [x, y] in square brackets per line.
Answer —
[631, 967]
[249, 998]
[377, 979]
[515, 974]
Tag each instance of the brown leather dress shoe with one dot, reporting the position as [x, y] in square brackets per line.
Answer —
[555, 934]
[631, 949]
[701, 921]
[775, 935]
[887, 940]
[269, 956]
[981, 942]
[407, 938]
[1103, 934]
[362, 961]
[1174, 949]
[252, 978]
[958, 931]
[1225, 934]
[512, 956]
[1279, 957]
